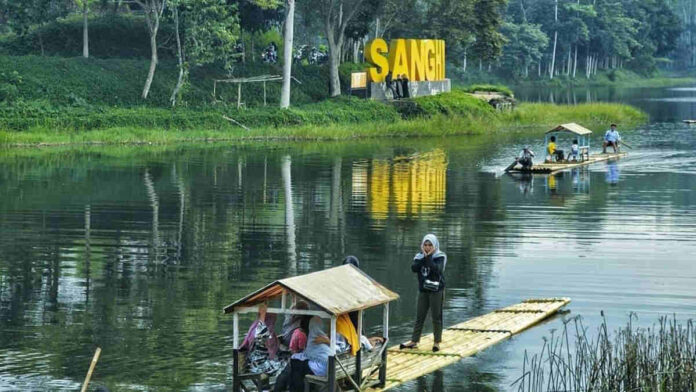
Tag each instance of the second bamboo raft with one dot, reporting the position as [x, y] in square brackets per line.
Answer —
[466, 339]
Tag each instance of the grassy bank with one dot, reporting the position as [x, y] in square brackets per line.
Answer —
[446, 115]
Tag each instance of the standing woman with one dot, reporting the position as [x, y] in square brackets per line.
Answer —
[429, 264]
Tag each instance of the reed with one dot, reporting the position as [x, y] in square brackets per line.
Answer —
[661, 358]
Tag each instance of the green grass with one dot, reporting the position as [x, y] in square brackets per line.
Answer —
[526, 118]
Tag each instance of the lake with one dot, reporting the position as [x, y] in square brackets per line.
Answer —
[137, 249]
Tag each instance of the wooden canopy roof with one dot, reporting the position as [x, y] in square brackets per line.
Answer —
[572, 128]
[335, 290]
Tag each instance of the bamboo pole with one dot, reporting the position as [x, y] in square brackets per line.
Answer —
[91, 369]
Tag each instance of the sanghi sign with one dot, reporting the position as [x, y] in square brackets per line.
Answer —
[420, 59]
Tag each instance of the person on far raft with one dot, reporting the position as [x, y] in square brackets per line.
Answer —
[611, 138]
[552, 150]
[525, 158]
[430, 265]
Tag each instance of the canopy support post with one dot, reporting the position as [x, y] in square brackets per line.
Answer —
[385, 333]
[358, 355]
[236, 382]
[331, 376]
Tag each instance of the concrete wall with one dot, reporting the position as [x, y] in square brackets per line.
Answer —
[380, 92]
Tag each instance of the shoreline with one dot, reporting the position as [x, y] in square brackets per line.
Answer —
[439, 121]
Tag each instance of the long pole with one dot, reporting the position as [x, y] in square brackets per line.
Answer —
[91, 369]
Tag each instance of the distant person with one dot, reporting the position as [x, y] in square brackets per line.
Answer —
[525, 158]
[404, 87]
[398, 86]
[611, 138]
[430, 265]
[574, 150]
[390, 85]
[553, 151]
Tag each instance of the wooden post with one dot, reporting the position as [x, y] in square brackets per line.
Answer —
[331, 376]
[239, 95]
[264, 93]
[214, 88]
[385, 332]
[236, 384]
[358, 355]
[91, 369]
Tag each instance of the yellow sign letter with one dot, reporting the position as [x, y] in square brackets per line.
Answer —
[375, 55]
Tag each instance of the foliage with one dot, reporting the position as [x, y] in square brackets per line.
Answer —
[109, 35]
[659, 359]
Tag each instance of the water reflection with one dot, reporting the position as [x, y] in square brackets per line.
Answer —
[414, 185]
[137, 251]
[613, 172]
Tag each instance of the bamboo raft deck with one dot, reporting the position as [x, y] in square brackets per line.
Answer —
[553, 167]
[466, 339]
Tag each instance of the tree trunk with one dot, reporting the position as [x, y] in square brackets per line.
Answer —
[553, 55]
[180, 58]
[575, 62]
[570, 60]
[464, 62]
[334, 61]
[153, 66]
[85, 30]
[287, 54]
[377, 27]
[555, 41]
[153, 14]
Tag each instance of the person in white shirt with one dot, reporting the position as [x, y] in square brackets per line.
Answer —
[611, 138]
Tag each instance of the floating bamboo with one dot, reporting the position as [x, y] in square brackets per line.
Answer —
[553, 167]
[91, 369]
[466, 339]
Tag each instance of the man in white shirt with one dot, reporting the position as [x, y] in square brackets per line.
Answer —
[611, 138]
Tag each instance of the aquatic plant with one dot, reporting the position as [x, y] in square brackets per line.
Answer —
[657, 359]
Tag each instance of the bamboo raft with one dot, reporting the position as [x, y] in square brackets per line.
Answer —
[553, 167]
[466, 339]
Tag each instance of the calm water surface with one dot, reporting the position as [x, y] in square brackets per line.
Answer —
[137, 251]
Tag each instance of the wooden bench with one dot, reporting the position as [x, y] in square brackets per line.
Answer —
[370, 361]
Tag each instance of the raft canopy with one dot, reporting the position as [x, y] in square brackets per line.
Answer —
[583, 136]
[335, 291]
[572, 128]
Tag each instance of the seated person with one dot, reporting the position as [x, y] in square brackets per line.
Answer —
[292, 322]
[611, 138]
[574, 150]
[553, 151]
[313, 360]
[525, 158]
[261, 345]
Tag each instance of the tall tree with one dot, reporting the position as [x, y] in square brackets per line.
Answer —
[84, 7]
[336, 15]
[289, 27]
[487, 20]
[153, 10]
[210, 29]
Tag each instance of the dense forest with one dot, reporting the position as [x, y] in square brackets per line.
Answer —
[515, 39]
